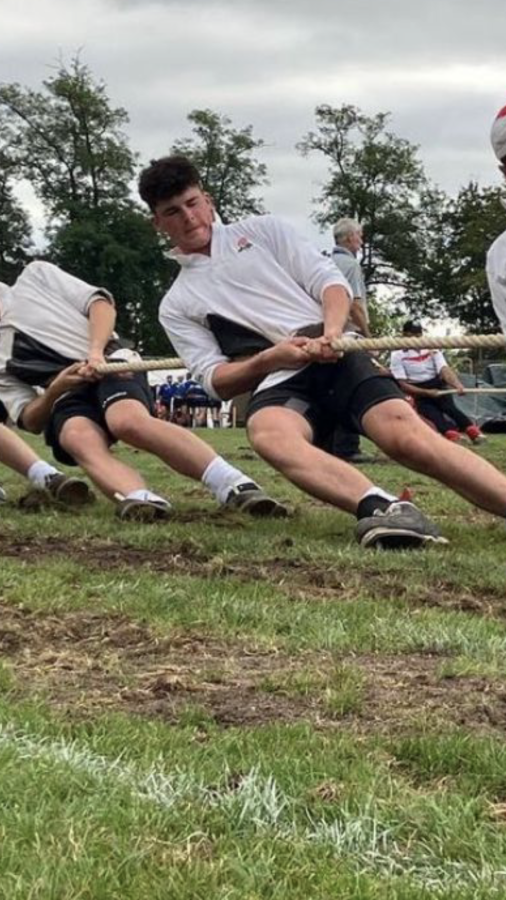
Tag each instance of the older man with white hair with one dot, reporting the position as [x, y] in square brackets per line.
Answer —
[348, 238]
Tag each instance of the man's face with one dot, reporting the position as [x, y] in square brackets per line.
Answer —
[186, 219]
[355, 241]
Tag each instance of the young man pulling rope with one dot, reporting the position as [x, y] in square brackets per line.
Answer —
[259, 274]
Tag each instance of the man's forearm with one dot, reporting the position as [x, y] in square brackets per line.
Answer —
[102, 318]
[336, 303]
[412, 390]
[234, 378]
[358, 316]
[231, 379]
[449, 376]
[37, 412]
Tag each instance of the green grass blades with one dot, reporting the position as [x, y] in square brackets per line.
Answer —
[219, 707]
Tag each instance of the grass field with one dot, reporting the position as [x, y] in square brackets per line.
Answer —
[218, 708]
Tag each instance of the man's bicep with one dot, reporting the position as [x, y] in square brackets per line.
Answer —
[299, 257]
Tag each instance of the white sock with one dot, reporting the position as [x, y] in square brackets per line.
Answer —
[143, 494]
[220, 477]
[379, 492]
[38, 472]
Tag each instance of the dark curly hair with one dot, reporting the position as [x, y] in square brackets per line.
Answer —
[167, 177]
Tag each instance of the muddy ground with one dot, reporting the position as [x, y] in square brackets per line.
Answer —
[86, 662]
[301, 579]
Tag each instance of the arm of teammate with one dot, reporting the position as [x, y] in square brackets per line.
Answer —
[221, 378]
[298, 256]
[336, 311]
[232, 378]
[35, 415]
[102, 318]
[358, 316]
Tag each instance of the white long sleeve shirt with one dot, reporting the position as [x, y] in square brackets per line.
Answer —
[496, 275]
[261, 274]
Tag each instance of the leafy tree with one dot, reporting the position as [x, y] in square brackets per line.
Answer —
[375, 177]
[67, 141]
[452, 280]
[15, 231]
[224, 157]
[121, 252]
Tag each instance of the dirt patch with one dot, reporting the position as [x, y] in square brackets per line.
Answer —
[84, 663]
[409, 690]
[298, 578]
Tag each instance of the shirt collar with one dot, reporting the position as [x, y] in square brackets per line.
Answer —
[199, 259]
[340, 249]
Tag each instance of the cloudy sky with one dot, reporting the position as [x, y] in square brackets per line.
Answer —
[438, 66]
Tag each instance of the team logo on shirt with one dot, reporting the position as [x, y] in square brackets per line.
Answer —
[243, 244]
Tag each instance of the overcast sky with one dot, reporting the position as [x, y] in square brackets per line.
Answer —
[439, 67]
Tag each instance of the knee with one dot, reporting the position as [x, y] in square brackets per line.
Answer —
[128, 429]
[269, 443]
[74, 438]
[412, 442]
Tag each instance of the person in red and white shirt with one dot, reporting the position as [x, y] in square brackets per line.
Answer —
[423, 374]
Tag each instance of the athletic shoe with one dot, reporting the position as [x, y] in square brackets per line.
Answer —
[68, 490]
[3, 496]
[133, 510]
[453, 435]
[400, 525]
[250, 498]
[475, 434]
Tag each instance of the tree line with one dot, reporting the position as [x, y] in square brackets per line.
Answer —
[68, 141]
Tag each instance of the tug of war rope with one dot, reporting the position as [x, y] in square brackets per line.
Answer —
[347, 345]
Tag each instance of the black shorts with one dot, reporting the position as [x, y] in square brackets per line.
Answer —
[92, 401]
[330, 394]
[4, 415]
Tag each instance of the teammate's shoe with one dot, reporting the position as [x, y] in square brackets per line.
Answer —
[250, 498]
[133, 510]
[68, 489]
[400, 525]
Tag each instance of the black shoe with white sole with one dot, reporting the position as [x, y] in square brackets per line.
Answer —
[401, 525]
[135, 510]
[250, 498]
[69, 490]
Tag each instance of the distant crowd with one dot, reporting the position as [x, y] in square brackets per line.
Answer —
[184, 401]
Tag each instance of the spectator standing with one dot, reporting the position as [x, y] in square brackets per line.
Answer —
[348, 239]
